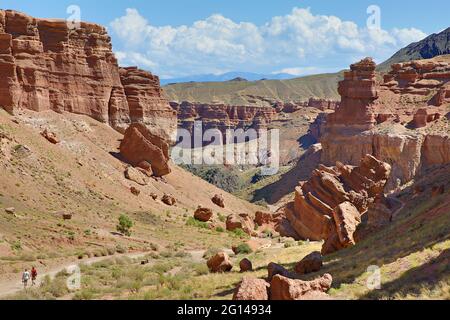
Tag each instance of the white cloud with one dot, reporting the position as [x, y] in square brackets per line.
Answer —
[298, 71]
[299, 38]
[407, 36]
[135, 58]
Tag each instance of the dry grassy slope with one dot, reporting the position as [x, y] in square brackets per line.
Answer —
[413, 255]
[83, 176]
[413, 252]
[244, 92]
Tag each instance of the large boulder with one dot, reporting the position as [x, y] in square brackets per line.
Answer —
[203, 214]
[245, 265]
[218, 200]
[140, 144]
[169, 200]
[135, 191]
[136, 176]
[252, 289]
[10, 210]
[282, 288]
[240, 221]
[50, 136]
[274, 269]
[220, 263]
[311, 263]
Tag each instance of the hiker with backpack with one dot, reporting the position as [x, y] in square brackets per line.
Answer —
[25, 277]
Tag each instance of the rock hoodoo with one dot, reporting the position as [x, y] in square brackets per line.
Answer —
[377, 117]
[45, 65]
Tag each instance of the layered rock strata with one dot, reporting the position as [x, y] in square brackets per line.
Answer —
[223, 117]
[329, 206]
[400, 120]
[46, 65]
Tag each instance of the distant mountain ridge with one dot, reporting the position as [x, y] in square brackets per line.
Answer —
[437, 44]
[227, 77]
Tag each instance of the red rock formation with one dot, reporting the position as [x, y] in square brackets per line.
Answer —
[357, 92]
[140, 144]
[282, 288]
[323, 104]
[245, 265]
[223, 117]
[220, 263]
[146, 102]
[423, 116]
[329, 205]
[240, 221]
[375, 118]
[169, 200]
[436, 149]
[50, 136]
[252, 289]
[45, 65]
[203, 214]
[218, 200]
[276, 223]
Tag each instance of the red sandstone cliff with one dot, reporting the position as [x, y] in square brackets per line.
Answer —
[382, 118]
[223, 117]
[44, 65]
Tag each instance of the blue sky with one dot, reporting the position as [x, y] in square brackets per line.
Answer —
[176, 38]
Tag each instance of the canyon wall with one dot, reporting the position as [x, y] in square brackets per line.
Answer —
[385, 119]
[223, 117]
[45, 65]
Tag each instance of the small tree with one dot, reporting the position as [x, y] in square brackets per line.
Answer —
[125, 225]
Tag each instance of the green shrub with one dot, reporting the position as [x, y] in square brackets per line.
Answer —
[220, 229]
[240, 233]
[84, 294]
[201, 269]
[243, 248]
[120, 249]
[191, 221]
[16, 245]
[125, 225]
